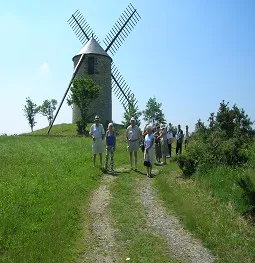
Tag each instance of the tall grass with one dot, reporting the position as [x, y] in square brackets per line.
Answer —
[205, 206]
[45, 183]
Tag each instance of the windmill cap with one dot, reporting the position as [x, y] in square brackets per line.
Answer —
[92, 47]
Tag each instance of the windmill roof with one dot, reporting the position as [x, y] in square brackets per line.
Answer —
[92, 47]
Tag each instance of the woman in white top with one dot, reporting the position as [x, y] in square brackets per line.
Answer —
[149, 149]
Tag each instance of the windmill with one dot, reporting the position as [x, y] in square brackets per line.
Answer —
[94, 61]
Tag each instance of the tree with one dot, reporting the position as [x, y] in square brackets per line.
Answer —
[83, 92]
[30, 111]
[153, 112]
[131, 111]
[47, 109]
[233, 121]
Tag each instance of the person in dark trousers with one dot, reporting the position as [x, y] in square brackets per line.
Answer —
[179, 140]
[110, 146]
[169, 141]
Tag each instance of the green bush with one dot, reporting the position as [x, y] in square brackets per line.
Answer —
[187, 165]
[224, 141]
[248, 187]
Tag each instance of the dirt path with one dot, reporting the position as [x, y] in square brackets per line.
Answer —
[102, 231]
[180, 243]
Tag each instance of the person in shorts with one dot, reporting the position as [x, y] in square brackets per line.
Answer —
[97, 134]
[133, 136]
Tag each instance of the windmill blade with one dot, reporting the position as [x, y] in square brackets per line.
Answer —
[121, 89]
[69, 85]
[81, 27]
[121, 29]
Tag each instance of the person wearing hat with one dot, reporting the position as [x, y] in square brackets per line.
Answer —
[133, 135]
[97, 134]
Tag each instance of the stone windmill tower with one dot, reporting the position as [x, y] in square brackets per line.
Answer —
[97, 66]
[94, 61]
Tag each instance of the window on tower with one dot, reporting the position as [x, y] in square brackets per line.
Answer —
[91, 65]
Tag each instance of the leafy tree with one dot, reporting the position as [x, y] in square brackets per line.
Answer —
[47, 109]
[153, 112]
[83, 92]
[132, 111]
[233, 121]
[200, 126]
[30, 110]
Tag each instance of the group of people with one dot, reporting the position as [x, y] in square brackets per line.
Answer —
[157, 136]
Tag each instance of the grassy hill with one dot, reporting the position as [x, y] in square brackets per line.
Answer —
[46, 182]
[57, 130]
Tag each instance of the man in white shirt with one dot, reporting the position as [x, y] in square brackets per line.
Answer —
[133, 135]
[97, 134]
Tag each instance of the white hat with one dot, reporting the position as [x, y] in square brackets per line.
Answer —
[97, 117]
[132, 119]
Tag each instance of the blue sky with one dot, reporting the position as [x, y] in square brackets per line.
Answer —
[190, 55]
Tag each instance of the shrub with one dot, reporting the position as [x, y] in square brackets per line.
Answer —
[249, 190]
[187, 165]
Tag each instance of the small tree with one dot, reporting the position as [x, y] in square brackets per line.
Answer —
[30, 110]
[83, 92]
[47, 109]
[131, 111]
[153, 112]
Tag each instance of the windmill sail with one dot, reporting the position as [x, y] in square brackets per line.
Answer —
[81, 28]
[121, 29]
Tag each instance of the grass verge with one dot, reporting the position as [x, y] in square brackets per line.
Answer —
[217, 224]
[45, 183]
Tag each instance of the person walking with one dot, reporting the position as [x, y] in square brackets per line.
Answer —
[179, 140]
[149, 151]
[97, 134]
[110, 146]
[133, 135]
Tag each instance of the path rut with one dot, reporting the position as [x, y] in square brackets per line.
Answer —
[180, 243]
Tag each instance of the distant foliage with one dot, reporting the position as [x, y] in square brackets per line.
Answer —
[153, 112]
[248, 191]
[132, 111]
[30, 110]
[223, 141]
[83, 92]
[47, 109]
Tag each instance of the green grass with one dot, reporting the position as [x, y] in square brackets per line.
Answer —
[45, 183]
[57, 130]
[216, 223]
